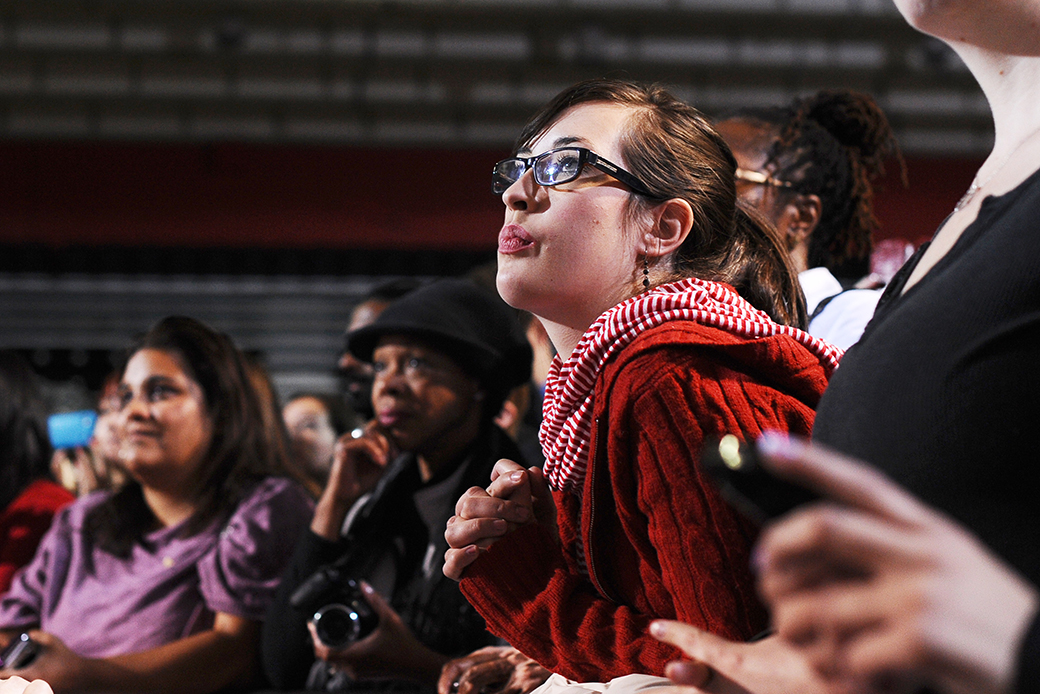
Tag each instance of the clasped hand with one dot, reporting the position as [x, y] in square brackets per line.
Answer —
[517, 496]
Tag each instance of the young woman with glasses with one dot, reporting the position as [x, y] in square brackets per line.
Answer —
[623, 234]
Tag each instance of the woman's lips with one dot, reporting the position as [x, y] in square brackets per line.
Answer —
[390, 417]
[513, 238]
[141, 434]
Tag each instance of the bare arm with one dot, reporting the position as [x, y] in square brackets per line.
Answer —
[220, 657]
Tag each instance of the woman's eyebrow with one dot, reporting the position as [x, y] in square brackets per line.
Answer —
[568, 140]
[558, 142]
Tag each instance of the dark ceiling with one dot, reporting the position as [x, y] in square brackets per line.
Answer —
[450, 73]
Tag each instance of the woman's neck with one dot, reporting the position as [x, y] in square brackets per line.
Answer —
[1011, 84]
[170, 509]
[566, 327]
[564, 338]
[449, 449]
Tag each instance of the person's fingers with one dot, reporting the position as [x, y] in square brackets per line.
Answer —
[456, 561]
[828, 542]
[839, 610]
[527, 676]
[716, 665]
[447, 682]
[489, 676]
[503, 467]
[452, 672]
[688, 672]
[541, 497]
[466, 496]
[513, 486]
[838, 477]
[351, 456]
[378, 603]
[375, 433]
[475, 505]
[480, 531]
[321, 651]
[691, 641]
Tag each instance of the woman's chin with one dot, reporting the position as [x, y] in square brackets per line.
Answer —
[514, 289]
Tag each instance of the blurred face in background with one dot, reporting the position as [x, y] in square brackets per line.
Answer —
[311, 433]
[106, 442]
[357, 375]
[750, 144]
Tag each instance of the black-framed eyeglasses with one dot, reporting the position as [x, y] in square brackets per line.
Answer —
[761, 178]
[558, 166]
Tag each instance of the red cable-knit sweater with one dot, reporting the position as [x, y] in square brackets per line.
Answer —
[658, 540]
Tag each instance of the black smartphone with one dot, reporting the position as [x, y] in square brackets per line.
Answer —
[740, 477]
[19, 652]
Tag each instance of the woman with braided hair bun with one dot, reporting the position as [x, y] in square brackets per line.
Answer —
[809, 167]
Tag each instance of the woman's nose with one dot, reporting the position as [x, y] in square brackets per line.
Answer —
[522, 194]
[389, 380]
[134, 407]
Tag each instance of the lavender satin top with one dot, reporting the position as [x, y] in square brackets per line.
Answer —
[101, 605]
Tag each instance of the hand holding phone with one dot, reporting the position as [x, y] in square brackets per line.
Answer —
[21, 651]
[738, 472]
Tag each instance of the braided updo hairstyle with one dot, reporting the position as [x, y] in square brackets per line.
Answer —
[833, 145]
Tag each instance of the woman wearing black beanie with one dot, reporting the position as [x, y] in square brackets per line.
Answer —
[445, 357]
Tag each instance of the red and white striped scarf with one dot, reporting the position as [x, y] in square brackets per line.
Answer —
[567, 410]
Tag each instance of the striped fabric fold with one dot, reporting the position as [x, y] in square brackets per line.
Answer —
[567, 410]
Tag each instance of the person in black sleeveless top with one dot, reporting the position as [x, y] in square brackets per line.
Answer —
[877, 591]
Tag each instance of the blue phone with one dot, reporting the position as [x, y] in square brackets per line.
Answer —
[71, 429]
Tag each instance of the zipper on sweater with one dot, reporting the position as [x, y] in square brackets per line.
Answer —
[599, 440]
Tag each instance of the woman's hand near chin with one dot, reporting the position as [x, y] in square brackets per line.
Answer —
[357, 465]
[517, 496]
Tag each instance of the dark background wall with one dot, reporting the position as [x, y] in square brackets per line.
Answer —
[300, 198]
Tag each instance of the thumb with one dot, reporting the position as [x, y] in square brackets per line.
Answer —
[378, 603]
[702, 647]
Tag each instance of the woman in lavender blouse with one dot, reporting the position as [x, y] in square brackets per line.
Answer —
[161, 585]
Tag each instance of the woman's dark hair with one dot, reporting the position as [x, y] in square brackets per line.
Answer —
[673, 149]
[238, 454]
[832, 145]
[25, 449]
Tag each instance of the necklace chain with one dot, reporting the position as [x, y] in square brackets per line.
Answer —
[977, 185]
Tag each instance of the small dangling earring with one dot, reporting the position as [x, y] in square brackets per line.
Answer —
[646, 274]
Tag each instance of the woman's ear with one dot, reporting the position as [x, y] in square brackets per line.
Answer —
[673, 220]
